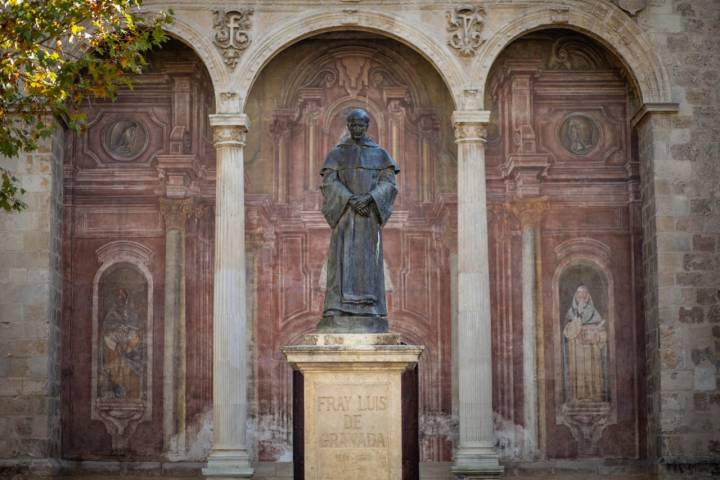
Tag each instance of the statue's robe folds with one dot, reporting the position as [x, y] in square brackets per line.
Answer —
[355, 280]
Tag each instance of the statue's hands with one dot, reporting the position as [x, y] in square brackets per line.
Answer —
[361, 204]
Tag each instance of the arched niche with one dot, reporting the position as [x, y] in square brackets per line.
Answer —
[144, 163]
[560, 135]
[122, 341]
[297, 108]
[584, 342]
[599, 20]
[287, 33]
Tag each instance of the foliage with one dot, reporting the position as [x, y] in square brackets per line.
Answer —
[55, 55]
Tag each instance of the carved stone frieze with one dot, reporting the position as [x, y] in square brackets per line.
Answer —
[229, 135]
[470, 132]
[231, 35]
[464, 24]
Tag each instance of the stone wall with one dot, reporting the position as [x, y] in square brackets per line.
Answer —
[682, 225]
[30, 300]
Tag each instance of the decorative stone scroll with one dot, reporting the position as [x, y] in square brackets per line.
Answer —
[464, 25]
[569, 53]
[122, 345]
[231, 33]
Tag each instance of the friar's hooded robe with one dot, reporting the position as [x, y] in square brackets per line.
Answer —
[355, 280]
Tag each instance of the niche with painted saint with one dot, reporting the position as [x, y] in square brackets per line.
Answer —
[585, 333]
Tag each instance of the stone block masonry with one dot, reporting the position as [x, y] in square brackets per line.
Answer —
[30, 302]
[684, 416]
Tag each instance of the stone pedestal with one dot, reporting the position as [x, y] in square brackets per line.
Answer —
[352, 404]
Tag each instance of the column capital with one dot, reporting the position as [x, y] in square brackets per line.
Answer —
[470, 125]
[175, 212]
[529, 210]
[229, 128]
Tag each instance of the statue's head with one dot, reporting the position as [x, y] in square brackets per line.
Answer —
[358, 121]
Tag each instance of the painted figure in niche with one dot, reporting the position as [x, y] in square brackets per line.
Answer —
[122, 363]
[585, 348]
[359, 191]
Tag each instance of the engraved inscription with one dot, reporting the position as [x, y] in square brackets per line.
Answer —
[353, 429]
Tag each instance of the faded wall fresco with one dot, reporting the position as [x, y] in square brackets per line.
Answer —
[123, 341]
[583, 295]
[561, 135]
[298, 108]
[142, 154]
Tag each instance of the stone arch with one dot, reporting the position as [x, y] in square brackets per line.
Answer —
[191, 36]
[606, 24]
[286, 34]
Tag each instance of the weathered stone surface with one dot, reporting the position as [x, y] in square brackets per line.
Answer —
[30, 284]
[352, 407]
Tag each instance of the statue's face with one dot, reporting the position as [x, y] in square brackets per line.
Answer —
[357, 128]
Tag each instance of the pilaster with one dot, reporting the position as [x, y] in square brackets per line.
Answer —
[175, 213]
[529, 212]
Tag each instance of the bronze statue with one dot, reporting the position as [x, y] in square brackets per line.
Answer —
[359, 191]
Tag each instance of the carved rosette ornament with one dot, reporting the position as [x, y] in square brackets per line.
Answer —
[231, 33]
[464, 25]
[229, 135]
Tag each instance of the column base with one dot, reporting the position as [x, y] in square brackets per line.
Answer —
[477, 464]
[228, 464]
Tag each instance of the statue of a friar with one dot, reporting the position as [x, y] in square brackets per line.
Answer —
[358, 194]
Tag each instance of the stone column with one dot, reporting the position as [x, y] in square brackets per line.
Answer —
[229, 456]
[475, 456]
[175, 212]
[529, 212]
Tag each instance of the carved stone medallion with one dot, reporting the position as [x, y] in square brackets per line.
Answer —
[464, 25]
[579, 134]
[231, 33]
[125, 139]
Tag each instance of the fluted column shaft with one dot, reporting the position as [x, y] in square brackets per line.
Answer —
[229, 456]
[175, 212]
[475, 453]
[529, 212]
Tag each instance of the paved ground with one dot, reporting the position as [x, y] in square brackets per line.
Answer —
[576, 470]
